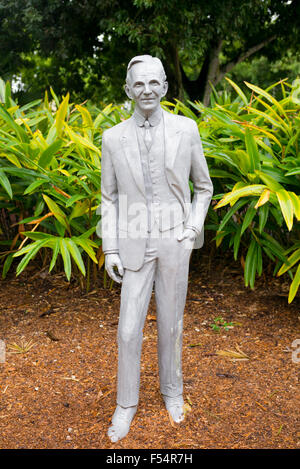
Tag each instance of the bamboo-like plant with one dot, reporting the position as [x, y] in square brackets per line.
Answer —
[50, 175]
[252, 144]
[50, 170]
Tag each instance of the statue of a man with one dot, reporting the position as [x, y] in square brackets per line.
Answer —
[149, 228]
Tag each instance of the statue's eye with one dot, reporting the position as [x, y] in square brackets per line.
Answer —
[138, 84]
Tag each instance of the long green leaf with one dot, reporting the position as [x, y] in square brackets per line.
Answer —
[294, 285]
[34, 185]
[259, 259]
[236, 242]
[252, 150]
[55, 253]
[292, 260]
[5, 183]
[263, 215]
[57, 212]
[286, 207]
[295, 199]
[32, 251]
[230, 212]
[272, 184]
[48, 154]
[86, 245]
[250, 214]
[75, 253]
[255, 189]
[250, 264]
[13, 125]
[66, 257]
[7, 265]
[238, 90]
[61, 115]
[268, 96]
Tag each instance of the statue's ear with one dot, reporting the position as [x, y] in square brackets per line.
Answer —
[165, 89]
[127, 91]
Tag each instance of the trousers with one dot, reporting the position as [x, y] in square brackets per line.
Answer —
[166, 267]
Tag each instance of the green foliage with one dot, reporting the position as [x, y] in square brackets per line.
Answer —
[50, 173]
[84, 47]
[252, 145]
[264, 71]
[220, 324]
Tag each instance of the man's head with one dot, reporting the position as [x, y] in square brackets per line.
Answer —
[146, 83]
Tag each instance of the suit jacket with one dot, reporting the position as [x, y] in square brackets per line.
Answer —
[123, 190]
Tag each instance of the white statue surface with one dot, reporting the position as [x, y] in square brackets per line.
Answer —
[150, 224]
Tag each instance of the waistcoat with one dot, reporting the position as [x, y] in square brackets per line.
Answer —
[163, 208]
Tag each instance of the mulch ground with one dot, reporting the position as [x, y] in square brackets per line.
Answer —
[61, 393]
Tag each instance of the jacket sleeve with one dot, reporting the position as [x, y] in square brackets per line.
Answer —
[203, 187]
[109, 201]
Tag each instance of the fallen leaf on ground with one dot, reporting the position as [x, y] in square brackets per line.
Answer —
[186, 408]
[263, 408]
[171, 420]
[237, 354]
[279, 431]
[105, 394]
[151, 318]
[71, 378]
[189, 400]
[51, 336]
[225, 375]
[24, 346]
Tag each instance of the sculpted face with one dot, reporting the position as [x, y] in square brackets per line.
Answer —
[146, 86]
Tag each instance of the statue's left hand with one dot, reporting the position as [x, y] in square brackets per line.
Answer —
[112, 261]
[188, 234]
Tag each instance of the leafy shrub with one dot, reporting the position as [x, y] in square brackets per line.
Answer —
[50, 173]
[252, 144]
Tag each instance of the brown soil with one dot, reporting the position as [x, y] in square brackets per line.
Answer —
[62, 392]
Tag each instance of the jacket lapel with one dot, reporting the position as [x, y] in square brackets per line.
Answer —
[130, 146]
[173, 136]
[172, 139]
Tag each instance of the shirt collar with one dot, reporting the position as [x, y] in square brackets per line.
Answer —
[154, 118]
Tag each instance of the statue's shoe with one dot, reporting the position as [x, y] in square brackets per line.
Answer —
[121, 422]
[174, 406]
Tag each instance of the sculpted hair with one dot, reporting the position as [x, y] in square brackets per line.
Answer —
[145, 59]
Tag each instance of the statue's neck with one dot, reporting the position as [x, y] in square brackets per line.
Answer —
[154, 115]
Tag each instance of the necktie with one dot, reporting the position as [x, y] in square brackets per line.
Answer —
[147, 137]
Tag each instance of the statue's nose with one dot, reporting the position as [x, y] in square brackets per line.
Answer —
[147, 90]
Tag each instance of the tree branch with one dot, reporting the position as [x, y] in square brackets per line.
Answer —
[229, 66]
[185, 79]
